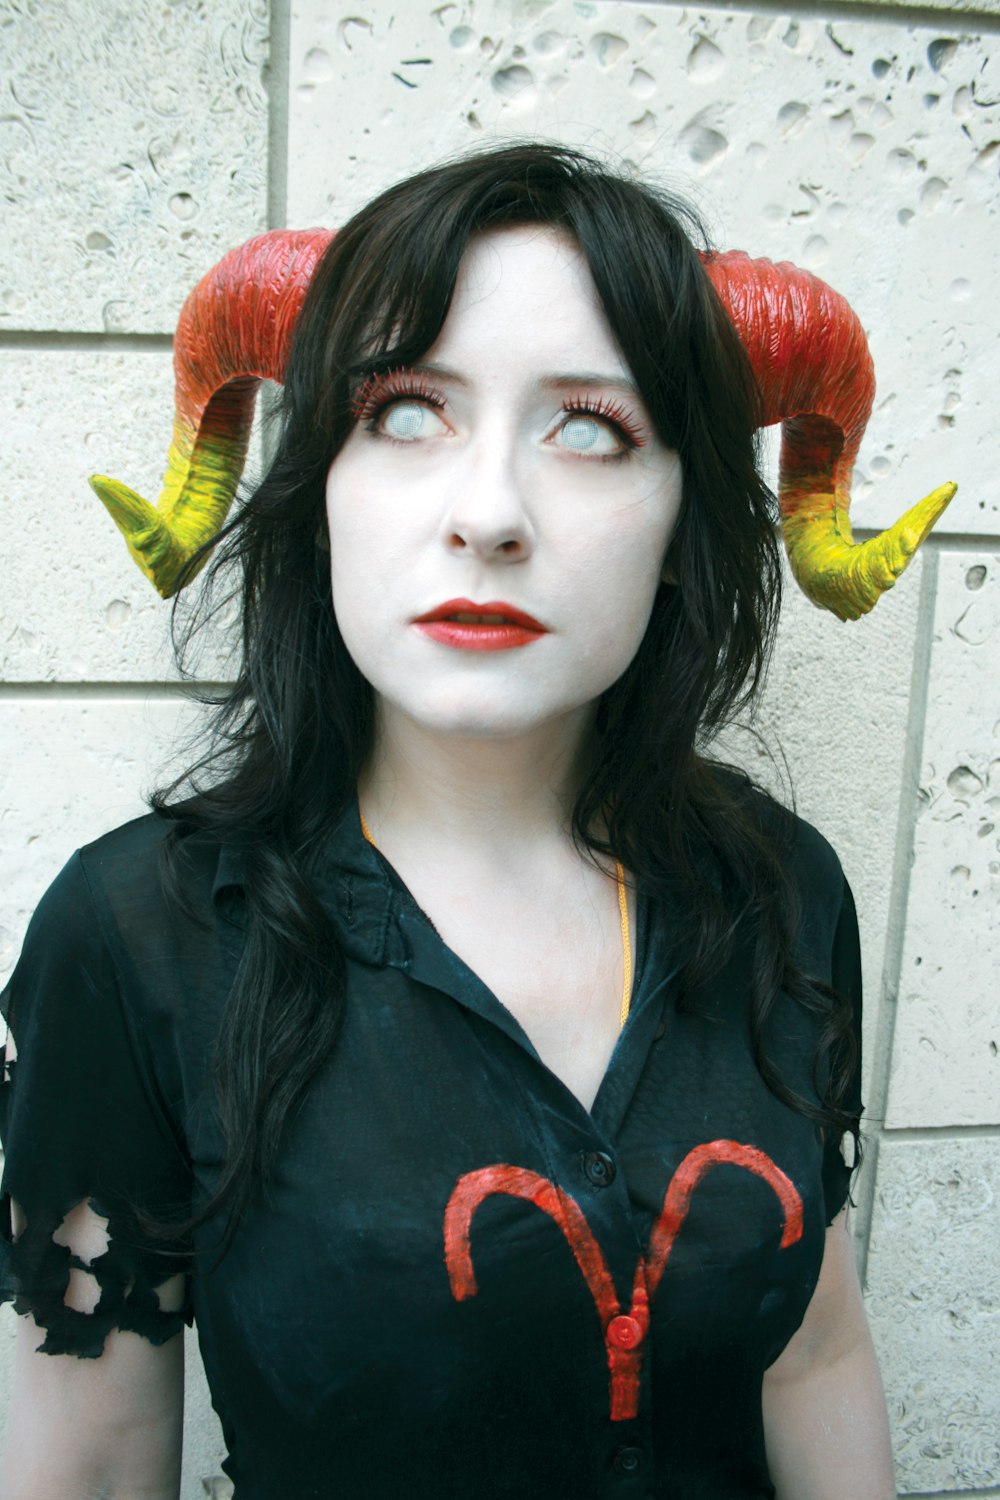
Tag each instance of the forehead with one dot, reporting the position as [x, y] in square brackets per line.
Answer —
[526, 293]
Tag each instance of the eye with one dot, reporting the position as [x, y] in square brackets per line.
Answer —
[400, 405]
[598, 428]
[407, 420]
[585, 434]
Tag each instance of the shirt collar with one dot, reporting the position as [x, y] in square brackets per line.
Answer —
[379, 924]
[363, 895]
[377, 920]
[359, 891]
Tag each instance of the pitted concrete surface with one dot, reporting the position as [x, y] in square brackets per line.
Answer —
[934, 1306]
[134, 154]
[945, 1063]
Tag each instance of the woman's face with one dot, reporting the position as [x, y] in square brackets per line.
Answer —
[500, 512]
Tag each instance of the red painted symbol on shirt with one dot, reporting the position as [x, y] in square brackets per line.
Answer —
[624, 1333]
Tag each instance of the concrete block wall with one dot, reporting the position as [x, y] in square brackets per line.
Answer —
[139, 141]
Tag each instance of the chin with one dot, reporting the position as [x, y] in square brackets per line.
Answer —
[488, 718]
[480, 723]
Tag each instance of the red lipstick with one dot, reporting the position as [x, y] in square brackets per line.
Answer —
[493, 626]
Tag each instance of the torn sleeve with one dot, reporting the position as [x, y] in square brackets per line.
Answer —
[79, 1126]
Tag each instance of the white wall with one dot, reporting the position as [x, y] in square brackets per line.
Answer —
[139, 141]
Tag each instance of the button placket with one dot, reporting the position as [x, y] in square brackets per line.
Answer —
[599, 1168]
[628, 1461]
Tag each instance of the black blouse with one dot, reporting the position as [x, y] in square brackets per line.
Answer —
[461, 1282]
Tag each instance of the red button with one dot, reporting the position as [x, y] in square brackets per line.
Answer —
[624, 1333]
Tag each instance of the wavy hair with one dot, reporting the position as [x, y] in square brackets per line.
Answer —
[288, 740]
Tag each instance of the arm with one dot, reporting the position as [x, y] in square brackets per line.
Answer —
[79, 1429]
[75, 1110]
[825, 1420]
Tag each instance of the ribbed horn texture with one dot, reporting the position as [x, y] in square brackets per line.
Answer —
[810, 355]
[234, 330]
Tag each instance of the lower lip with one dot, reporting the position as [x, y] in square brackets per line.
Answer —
[465, 637]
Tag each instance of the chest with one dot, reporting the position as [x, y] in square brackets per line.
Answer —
[569, 1005]
[559, 970]
[458, 1258]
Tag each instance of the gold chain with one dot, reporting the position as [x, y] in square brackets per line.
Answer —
[623, 913]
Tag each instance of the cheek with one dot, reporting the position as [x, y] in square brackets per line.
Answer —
[367, 535]
[628, 571]
[355, 573]
[628, 560]
[613, 606]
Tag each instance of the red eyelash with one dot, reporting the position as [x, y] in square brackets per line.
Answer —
[612, 411]
[378, 390]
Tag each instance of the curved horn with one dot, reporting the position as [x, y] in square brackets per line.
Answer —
[810, 355]
[806, 345]
[234, 331]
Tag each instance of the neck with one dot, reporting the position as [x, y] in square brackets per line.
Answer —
[499, 796]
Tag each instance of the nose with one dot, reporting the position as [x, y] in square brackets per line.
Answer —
[489, 514]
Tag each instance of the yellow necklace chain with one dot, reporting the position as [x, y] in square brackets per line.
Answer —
[626, 943]
[623, 913]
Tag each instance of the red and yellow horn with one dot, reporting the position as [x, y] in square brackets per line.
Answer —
[810, 355]
[235, 329]
[806, 345]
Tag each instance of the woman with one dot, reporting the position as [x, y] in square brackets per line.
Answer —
[469, 1053]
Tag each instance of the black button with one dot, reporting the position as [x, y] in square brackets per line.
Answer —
[660, 1032]
[599, 1168]
[628, 1460]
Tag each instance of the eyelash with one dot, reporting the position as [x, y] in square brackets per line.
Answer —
[380, 391]
[611, 411]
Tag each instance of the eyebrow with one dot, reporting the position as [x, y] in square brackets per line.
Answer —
[558, 380]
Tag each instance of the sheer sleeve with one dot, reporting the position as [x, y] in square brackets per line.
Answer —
[845, 978]
[81, 1124]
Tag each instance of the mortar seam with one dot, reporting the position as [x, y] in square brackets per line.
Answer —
[277, 113]
[892, 963]
[84, 342]
[42, 691]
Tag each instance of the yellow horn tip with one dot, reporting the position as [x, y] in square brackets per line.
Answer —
[849, 577]
[149, 536]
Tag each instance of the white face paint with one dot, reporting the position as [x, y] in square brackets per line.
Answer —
[514, 467]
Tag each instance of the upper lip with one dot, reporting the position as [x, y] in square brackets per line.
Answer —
[501, 612]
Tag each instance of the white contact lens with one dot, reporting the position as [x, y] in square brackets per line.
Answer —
[581, 434]
[405, 419]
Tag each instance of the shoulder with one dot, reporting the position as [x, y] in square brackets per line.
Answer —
[130, 938]
[819, 898]
[811, 862]
[136, 887]
[128, 855]
[156, 861]
[824, 922]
